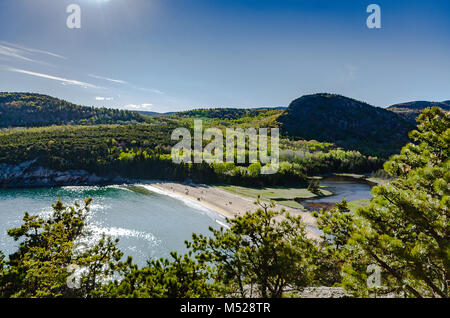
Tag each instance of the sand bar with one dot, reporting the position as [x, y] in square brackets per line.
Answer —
[227, 203]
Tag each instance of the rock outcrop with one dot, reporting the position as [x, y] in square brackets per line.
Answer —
[30, 174]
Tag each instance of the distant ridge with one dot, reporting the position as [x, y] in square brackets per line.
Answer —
[229, 113]
[153, 114]
[214, 112]
[411, 110]
[349, 123]
[27, 109]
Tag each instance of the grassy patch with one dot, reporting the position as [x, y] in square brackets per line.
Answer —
[282, 195]
[291, 204]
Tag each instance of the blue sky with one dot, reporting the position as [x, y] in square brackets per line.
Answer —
[170, 55]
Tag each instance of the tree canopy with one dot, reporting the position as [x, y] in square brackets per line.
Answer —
[404, 233]
[405, 230]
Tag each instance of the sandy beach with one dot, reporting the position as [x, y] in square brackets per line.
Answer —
[227, 203]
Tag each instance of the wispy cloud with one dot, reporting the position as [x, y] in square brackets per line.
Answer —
[108, 79]
[138, 106]
[9, 52]
[151, 90]
[64, 81]
[101, 98]
[350, 71]
[32, 50]
[14, 51]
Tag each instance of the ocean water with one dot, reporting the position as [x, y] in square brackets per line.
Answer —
[149, 222]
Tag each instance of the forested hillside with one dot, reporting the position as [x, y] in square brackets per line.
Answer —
[403, 233]
[347, 122]
[28, 110]
[140, 147]
[152, 114]
[144, 151]
[230, 113]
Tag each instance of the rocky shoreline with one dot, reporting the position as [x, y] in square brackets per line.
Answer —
[31, 175]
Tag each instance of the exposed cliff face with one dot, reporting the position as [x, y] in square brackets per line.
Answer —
[29, 174]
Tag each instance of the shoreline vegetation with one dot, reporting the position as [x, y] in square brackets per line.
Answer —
[275, 248]
[109, 148]
[264, 251]
[227, 200]
[228, 203]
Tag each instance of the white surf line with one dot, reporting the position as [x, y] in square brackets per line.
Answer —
[223, 224]
[189, 202]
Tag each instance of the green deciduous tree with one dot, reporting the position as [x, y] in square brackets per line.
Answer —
[404, 230]
[263, 253]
